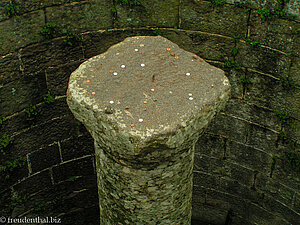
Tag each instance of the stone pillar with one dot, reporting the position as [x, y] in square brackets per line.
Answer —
[146, 101]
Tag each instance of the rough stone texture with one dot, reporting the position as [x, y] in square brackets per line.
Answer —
[9, 68]
[263, 59]
[81, 16]
[293, 7]
[276, 33]
[145, 167]
[149, 13]
[204, 16]
[22, 93]
[20, 31]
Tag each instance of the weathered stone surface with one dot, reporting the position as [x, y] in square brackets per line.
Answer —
[208, 46]
[77, 147]
[43, 135]
[275, 33]
[9, 68]
[204, 16]
[262, 59]
[293, 7]
[229, 127]
[253, 158]
[145, 115]
[252, 113]
[271, 93]
[19, 94]
[57, 77]
[157, 13]
[3, 7]
[20, 31]
[34, 183]
[79, 167]
[37, 58]
[44, 158]
[81, 16]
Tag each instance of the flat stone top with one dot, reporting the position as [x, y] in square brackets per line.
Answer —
[147, 84]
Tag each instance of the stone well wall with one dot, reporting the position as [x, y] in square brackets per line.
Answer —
[246, 164]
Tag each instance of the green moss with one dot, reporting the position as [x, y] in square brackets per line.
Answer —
[5, 141]
[129, 3]
[288, 83]
[2, 119]
[12, 9]
[32, 112]
[48, 32]
[218, 2]
[72, 39]
[15, 200]
[157, 32]
[73, 178]
[10, 166]
[232, 64]
[293, 159]
[244, 80]
[48, 99]
[252, 43]
[264, 14]
[283, 117]
[234, 51]
[39, 207]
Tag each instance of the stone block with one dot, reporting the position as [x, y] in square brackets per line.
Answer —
[221, 200]
[210, 145]
[262, 59]
[208, 46]
[252, 113]
[158, 13]
[63, 197]
[20, 31]
[269, 92]
[257, 134]
[18, 121]
[95, 43]
[297, 203]
[3, 7]
[43, 135]
[9, 68]
[34, 183]
[44, 158]
[229, 127]
[237, 88]
[292, 7]
[275, 189]
[77, 147]
[78, 167]
[279, 208]
[204, 16]
[249, 157]
[258, 214]
[58, 77]
[12, 175]
[81, 16]
[32, 5]
[276, 33]
[88, 216]
[21, 93]
[37, 58]
[295, 69]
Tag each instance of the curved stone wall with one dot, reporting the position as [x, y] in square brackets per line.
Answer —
[246, 165]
